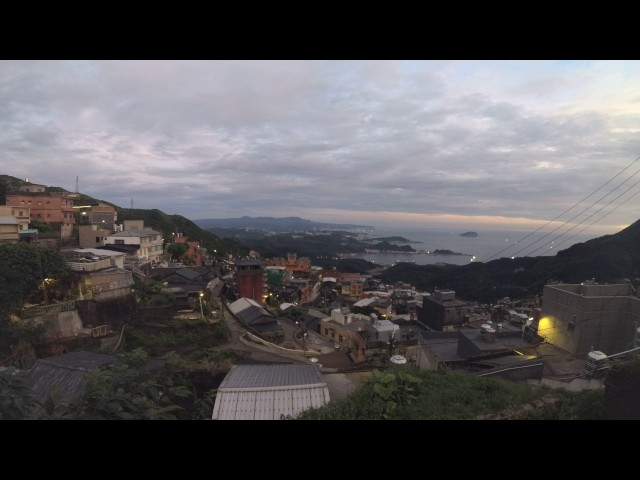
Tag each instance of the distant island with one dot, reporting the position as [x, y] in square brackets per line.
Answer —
[469, 234]
[446, 252]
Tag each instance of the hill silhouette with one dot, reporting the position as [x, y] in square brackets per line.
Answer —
[608, 259]
[153, 218]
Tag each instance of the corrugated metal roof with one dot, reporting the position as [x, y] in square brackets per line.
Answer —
[242, 303]
[64, 373]
[265, 392]
[259, 376]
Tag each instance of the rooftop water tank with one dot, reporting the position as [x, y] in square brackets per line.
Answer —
[596, 355]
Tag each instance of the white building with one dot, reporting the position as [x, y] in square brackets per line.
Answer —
[144, 244]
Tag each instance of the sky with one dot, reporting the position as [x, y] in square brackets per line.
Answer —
[392, 144]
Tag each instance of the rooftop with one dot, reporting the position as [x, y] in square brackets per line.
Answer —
[269, 392]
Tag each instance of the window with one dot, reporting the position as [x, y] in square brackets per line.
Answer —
[119, 242]
[340, 338]
[326, 331]
[97, 239]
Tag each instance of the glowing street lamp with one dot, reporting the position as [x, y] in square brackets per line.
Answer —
[200, 298]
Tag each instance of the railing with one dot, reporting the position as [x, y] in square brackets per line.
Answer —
[89, 266]
[105, 287]
[99, 331]
[48, 309]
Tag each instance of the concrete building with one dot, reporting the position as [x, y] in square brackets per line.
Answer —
[442, 311]
[100, 214]
[346, 329]
[584, 317]
[383, 330]
[31, 187]
[92, 236]
[100, 273]
[506, 354]
[142, 245]
[92, 259]
[249, 279]
[51, 208]
[9, 229]
[22, 214]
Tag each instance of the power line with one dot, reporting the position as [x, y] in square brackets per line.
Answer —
[597, 220]
[597, 211]
[578, 214]
[570, 208]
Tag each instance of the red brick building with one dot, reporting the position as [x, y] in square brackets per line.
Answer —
[249, 278]
[52, 208]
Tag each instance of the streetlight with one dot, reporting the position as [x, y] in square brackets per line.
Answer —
[200, 298]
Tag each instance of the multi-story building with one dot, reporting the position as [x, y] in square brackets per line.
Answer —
[442, 311]
[584, 317]
[346, 329]
[249, 279]
[194, 251]
[92, 236]
[297, 267]
[51, 208]
[143, 245]
[9, 229]
[31, 187]
[21, 214]
[104, 216]
[100, 273]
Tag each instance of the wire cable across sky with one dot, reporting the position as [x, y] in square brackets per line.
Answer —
[577, 215]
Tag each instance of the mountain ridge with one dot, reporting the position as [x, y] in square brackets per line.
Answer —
[276, 223]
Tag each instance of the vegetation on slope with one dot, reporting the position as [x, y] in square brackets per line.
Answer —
[406, 393]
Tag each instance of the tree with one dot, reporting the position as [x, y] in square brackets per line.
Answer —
[16, 400]
[128, 391]
[176, 250]
[23, 270]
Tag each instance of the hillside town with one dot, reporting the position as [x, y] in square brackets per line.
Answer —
[305, 335]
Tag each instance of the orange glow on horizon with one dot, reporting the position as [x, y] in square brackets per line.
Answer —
[403, 220]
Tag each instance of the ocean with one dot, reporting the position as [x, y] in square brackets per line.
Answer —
[488, 245]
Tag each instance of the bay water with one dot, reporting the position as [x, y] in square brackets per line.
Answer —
[488, 245]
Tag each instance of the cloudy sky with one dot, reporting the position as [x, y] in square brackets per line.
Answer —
[395, 144]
